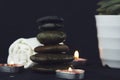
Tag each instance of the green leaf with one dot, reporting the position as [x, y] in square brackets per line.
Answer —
[110, 3]
[115, 9]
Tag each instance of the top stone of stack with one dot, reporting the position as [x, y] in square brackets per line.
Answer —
[50, 23]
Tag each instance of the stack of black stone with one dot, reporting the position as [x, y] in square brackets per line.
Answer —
[53, 54]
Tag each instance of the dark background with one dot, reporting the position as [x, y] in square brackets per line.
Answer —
[18, 19]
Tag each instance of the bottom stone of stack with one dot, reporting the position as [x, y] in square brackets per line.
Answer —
[49, 68]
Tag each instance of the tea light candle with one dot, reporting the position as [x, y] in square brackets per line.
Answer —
[70, 73]
[77, 60]
[11, 68]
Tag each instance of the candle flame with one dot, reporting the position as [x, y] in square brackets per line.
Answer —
[69, 69]
[76, 55]
[11, 62]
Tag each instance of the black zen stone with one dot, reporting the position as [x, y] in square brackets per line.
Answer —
[51, 37]
[52, 49]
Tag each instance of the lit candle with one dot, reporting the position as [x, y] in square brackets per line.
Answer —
[11, 68]
[78, 62]
[70, 73]
[77, 57]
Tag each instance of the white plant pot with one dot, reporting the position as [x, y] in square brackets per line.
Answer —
[108, 32]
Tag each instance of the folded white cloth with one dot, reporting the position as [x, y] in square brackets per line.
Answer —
[21, 50]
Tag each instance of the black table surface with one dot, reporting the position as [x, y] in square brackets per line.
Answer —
[91, 73]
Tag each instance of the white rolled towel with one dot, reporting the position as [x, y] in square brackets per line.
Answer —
[21, 50]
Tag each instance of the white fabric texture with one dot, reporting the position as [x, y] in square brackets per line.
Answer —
[21, 50]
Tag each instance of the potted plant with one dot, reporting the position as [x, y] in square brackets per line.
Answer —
[108, 32]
